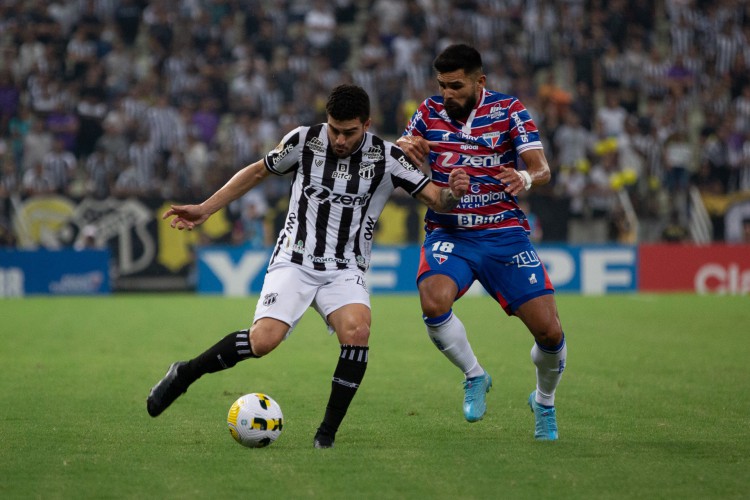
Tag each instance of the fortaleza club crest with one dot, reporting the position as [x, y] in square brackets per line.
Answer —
[367, 170]
[440, 258]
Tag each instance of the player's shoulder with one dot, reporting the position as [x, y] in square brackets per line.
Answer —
[306, 130]
[292, 146]
[434, 102]
[495, 97]
[374, 144]
[305, 135]
[432, 110]
[393, 155]
[437, 98]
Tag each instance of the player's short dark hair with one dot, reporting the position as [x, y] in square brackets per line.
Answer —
[458, 56]
[348, 102]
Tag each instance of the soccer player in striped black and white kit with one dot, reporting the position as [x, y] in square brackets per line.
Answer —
[343, 176]
[490, 136]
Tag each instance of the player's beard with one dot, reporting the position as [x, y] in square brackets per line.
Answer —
[347, 150]
[458, 112]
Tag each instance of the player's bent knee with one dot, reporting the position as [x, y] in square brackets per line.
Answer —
[355, 335]
[550, 336]
[436, 295]
[435, 305]
[264, 339]
[262, 346]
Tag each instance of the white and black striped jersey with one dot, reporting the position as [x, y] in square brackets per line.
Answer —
[335, 202]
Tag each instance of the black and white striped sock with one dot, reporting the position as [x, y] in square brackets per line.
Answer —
[349, 373]
[226, 353]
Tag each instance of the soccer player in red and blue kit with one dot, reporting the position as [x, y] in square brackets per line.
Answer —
[491, 136]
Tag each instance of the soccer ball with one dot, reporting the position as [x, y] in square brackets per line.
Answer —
[255, 420]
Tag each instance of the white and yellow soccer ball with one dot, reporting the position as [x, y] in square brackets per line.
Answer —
[255, 420]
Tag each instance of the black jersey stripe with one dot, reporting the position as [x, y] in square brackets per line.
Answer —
[379, 173]
[323, 216]
[303, 205]
[352, 185]
[347, 213]
[279, 245]
[345, 225]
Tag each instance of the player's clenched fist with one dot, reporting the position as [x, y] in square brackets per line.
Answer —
[458, 182]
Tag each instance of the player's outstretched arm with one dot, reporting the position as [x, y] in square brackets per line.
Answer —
[185, 216]
[446, 199]
[189, 216]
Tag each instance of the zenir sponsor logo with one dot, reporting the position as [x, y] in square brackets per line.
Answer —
[322, 194]
[451, 159]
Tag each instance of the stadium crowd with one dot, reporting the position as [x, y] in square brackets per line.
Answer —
[169, 98]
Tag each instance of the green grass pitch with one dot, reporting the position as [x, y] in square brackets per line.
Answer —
[653, 404]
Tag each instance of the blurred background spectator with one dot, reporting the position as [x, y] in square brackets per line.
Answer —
[644, 107]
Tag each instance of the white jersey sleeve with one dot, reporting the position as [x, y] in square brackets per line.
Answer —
[404, 173]
[284, 158]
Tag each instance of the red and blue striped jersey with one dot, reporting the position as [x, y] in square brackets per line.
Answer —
[495, 133]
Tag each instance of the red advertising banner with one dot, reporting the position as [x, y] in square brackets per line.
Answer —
[720, 269]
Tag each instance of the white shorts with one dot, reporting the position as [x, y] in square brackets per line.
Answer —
[289, 289]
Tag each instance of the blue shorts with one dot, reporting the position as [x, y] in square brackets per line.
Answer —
[504, 262]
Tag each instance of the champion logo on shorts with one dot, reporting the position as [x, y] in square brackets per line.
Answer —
[440, 258]
[270, 299]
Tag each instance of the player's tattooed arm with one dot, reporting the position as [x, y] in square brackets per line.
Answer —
[446, 199]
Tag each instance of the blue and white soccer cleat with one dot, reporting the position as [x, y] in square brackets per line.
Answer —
[475, 393]
[546, 420]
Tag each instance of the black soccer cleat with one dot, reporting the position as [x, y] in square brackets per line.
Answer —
[167, 390]
[323, 438]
